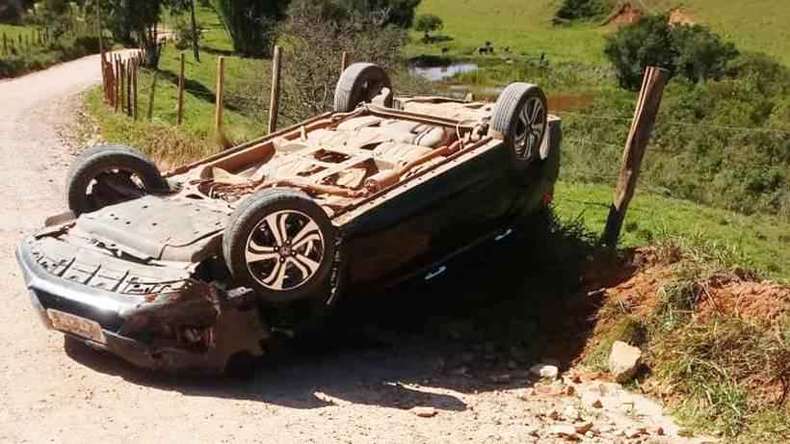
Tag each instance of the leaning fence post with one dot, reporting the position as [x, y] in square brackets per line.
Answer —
[5, 44]
[641, 127]
[274, 102]
[219, 103]
[181, 81]
[343, 61]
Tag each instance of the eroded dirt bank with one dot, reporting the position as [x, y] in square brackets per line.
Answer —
[358, 385]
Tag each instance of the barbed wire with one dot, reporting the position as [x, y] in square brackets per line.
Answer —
[677, 123]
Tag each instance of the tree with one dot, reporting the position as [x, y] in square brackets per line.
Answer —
[701, 54]
[389, 12]
[251, 23]
[692, 51]
[428, 23]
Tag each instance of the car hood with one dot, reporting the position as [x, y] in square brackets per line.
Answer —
[168, 228]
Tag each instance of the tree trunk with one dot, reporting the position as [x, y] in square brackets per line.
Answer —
[195, 38]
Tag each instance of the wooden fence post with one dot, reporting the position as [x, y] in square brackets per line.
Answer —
[151, 96]
[274, 102]
[135, 72]
[181, 82]
[117, 68]
[641, 128]
[219, 103]
[129, 81]
[343, 62]
[5, 44]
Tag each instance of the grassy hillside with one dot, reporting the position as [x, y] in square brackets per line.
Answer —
[522, 25]
[757, 25]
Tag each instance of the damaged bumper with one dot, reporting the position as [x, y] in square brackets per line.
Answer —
[114, 305]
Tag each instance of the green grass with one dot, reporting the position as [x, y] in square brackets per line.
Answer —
[18, 58]
[759, 241]
[525, 26]
[245, 88]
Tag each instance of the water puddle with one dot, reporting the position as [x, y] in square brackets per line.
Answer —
[439, 73]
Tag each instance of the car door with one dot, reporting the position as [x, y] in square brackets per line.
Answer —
[417, 229]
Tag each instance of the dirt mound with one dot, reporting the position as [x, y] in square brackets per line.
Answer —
[639, 280]
[761, 302]
[678, 16]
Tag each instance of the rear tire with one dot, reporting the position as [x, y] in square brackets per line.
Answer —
[361, 83]
[281, 244]
[105, 175]
[521, 116]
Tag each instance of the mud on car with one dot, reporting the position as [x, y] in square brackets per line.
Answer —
[195, 267]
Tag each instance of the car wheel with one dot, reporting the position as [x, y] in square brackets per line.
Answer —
[362, 83]
[520, 116]
[281, 244]
[109, 174]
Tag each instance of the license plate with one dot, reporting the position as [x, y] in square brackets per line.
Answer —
[76, 325]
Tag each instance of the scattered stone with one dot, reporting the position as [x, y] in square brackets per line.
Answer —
[570, 390]
[584, 428]
[570, 413]
[624, 361]
[533, 431]
[565, 431]
[634, 432]
[548, 390]
[424, 412]
[554, 415]
[597, 404]
[545, 371]
[659, 431]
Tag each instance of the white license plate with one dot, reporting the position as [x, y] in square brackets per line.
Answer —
[76, 325]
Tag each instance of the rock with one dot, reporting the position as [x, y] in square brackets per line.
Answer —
[545, 371]
[634, 432]
[565, 431]
[569, 390]
[624, 361]
[597, 404]
[584, 428]
[533, 431]
[570, 413]
[424, 412]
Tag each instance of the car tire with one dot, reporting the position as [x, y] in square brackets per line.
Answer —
[281, 244]
[100, 165]
[521, 118]
[361, 83]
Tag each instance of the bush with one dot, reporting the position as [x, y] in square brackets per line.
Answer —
[692, 51]
[724, 143]
[251, 23]
[317, 33]
[428, 23]
[582, 10]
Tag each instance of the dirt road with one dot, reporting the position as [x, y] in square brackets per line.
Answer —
[360, 388]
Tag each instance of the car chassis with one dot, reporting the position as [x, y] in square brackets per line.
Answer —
[206, 263]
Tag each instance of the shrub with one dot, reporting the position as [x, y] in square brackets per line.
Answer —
[251, 23]
[582, 10]
[428, 23]
[692, 51]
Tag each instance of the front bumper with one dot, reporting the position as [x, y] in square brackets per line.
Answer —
[233, 330]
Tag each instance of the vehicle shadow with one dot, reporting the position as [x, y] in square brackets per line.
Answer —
[480, 329]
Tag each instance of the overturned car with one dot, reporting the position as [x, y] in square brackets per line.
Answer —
[194, 268]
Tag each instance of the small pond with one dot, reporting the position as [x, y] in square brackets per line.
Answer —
[438, 73]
